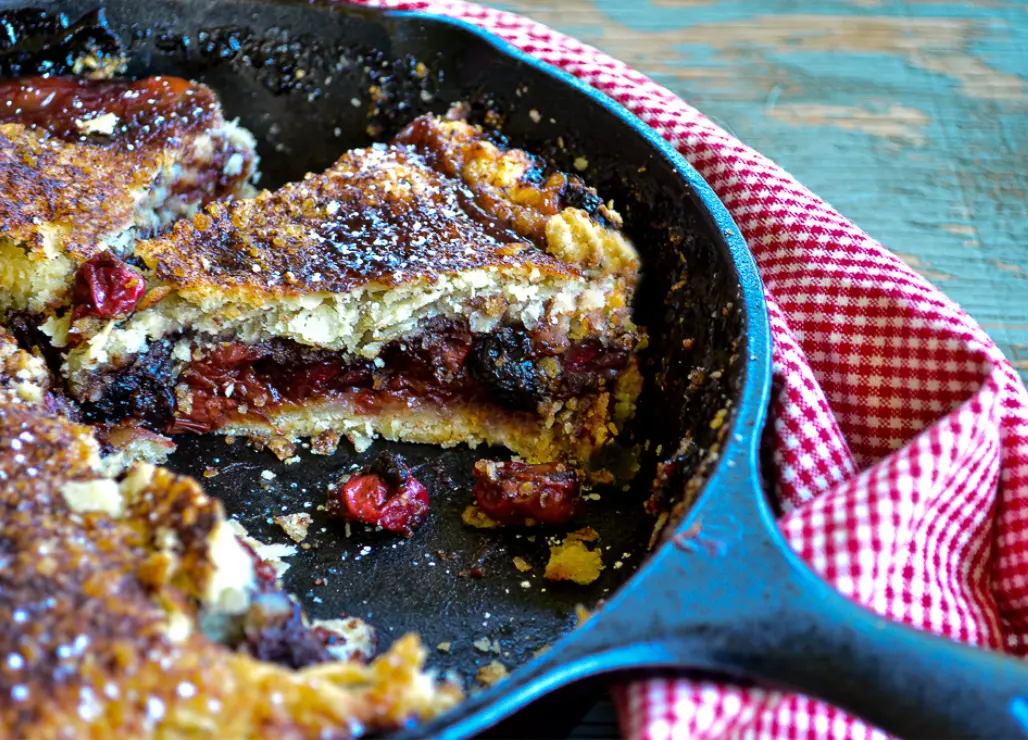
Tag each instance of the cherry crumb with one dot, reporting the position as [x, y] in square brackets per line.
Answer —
[106, 287]
[384, 494]
[513, 492]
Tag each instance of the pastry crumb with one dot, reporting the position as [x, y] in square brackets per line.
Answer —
[282, 448]
[490, 674]
[325, 443]
[271, 554]
[572, 560]
[521, 564]
[585, 534]
[475, 517]
[295, 526]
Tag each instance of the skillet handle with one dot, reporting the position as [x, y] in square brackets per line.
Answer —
[911, 684]
[763, 614]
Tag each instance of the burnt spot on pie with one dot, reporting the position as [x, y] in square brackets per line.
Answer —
[143, 389]
[503, 363]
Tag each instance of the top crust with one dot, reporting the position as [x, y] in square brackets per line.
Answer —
[88, 166]
[380, 216]
[556, 211]
[62, 198]
[75, 155]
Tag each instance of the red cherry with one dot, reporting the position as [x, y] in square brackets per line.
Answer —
[395, 501]
[511, 492]
[106, 287]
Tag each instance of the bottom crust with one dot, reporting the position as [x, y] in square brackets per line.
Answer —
[570, 430]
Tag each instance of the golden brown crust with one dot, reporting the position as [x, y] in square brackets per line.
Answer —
[379, 216]
[557, 211]
[36, 450]
[98, 616]
[66, 195]
[508, 184]
[74, 614]
[511, 184]
[89, 166]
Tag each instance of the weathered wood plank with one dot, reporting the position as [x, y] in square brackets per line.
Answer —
[908, 115]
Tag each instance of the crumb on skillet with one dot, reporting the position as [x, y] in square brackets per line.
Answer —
[295, 525]
[573, 560]
[491, 673]
[473, 516]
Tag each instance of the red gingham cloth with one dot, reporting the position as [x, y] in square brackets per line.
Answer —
[899, 431]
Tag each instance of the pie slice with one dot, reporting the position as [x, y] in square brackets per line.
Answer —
[128, 606]
[87, 167]
[439, 289]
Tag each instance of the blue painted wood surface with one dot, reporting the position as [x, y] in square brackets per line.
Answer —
[909, 116]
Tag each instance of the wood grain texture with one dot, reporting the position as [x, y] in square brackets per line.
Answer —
[909, 116]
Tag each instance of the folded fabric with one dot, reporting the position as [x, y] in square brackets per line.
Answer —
[899, 431]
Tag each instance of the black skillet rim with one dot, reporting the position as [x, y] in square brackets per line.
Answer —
[749, 409]
[740, 448]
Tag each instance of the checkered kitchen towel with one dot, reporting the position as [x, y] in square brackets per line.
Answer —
[900, 432]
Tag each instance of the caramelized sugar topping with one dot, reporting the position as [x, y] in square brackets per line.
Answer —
[111, 113]
[379, 215]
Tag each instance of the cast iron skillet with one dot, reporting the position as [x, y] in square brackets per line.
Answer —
[725, 593]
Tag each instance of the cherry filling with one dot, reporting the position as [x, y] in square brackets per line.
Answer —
[106, 287]
[513, 492]
[236, 380]
[384, 495]
[445, 363]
